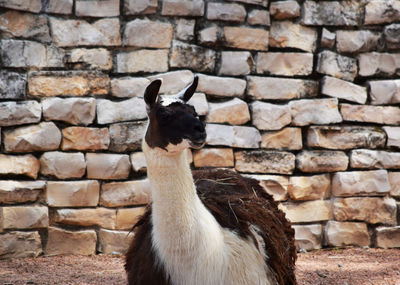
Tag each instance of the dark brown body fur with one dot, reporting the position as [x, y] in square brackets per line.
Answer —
[236, 202]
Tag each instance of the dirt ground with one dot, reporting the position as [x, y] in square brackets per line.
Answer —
[339, 267]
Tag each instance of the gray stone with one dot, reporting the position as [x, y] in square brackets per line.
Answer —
[63, 165]
[184, 29]
[32, 6]
[258, 17]
[307, 212]
[263, 3]
[173, 81]
[15, 192]
[107, 166]
[236, 63]
[182, 8]
[393, 136]
[302, 188]
[384, 92]
[341, 89]
[346, 233]
[392, 38]
[285, 9]
[382, 11]
[24, 217]
[112, 112]
[20, 244]
[246, 38]
[191, 56]
[114, 242]
[328, 38]
[286, 64]
[394, 179]
[97, 8]
[148, 34]
[127, 136]
[336, 65]
[234, 136]
[221, 86]
[208, 36]
[72, 193]
[128, 193]
[374, 63]
[388, 237]
[140, 7]
[200, 104]
[321, 161]
[18, 113]
[366, 158]
[226, 12]
[266, 116]
[308, 237]
[129, 86]
[287, 138]
[142, 61]
[74, 242]
[59, 6]
[357, 41]
[234, 112]
[12, 85]
[19, 165]
[138, 162]
[371, 114]
[98, 58]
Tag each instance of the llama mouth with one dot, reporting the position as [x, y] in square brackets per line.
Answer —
[197, 144]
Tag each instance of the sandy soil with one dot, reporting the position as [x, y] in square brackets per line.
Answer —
[339, 267]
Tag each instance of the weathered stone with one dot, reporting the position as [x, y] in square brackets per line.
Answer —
[331, 13]
[32, 6]
[18, 113]
[346, 233]
[127, 136]
[384, 64]
[287, 138]
[394, 179]
[234, 112]
[127, 110]
[234, 136]
[392, 38]
[359, 209]
[371, 114]
[182, 8]
[107, 166]
[185, 55]
[280, 88]
[131, 193]
[58, 6]
[208, 36]
[140, 7]
[307, 212]
[127, 217]
[388, 237]
[19, 165]
[142, 61]
[24, 217]
[322, 161]
[184, 29]
[97, 8]
[315, 187]
[366, 158]
[336, 65]
[274, 185]
[345, 137]
[81, 138]
[214, 157]
[261, 161]
[318, 111]
[285, 34]
[343, 90]
[173, 81]
[101, 217]
[382, 11]
[15, 192]
[64, 83]
[72, 193]
[258, 17]
[357, 41]
[266, 116]
[81, 33]
[41, 137]
[200, 104]
[73, 242]
[328, 38]
[20, 244]
[12, 85]
[285, 9]
[308, 237]
[286, 64]
[235, 63]
[393, 135]
[384, 92]
[263, 3]
[98, 58]
[146, 33]
[221, 86]
[114, 242]
[63, 164]
[365, 183]
[129, 86]
[246, 38]
[138, 162]
[226, 12]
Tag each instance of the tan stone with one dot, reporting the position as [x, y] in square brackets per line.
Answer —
[316, 111]
[148, 34]
[388, 237]
[261, 161]
[130, 193]
[236, 63]
[15, 192]
[285, 9]
[135, 7]
[343, 90]
[213, 157]
[102, 217]
[182, 8]
[371, 114]
[384, 91]
[356, 41]
[173, 81]
[97, 8]
[226, 12]
[142, 61]
[321, 161]
[19, 165]
[74, 242]
[284, 63]
[381, 11]
[62, 164]
[114, 242]
[73, 193]
[129, 86]
[128, 217]
[138, 162]
[83, 138]
[246, 38]
[197, 58]
[200, 104]
[394, 179]
[306, 212]
[287, 138]
[258, 17]
[366, 158]
[346, 233]
[107, 166]
[337, 65]
[275, 185]
[98, 58]
[309, 187]
[233, 136]
[266, 116]
[308, 237]
[20, 244]
[374, 63]
[18, 113]
[209, 36]
[234, 112]
[25, 217]
[221, 86]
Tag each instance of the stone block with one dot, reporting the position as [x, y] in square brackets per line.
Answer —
[391, 34]
[128, 217]
[384, 92]
[381, 11]
[263, 3]
[127, 136]
[73, 193]
[12, 85]
[144, 33]
[246, 38]
[360, 183]
[173, 81]
[341, 89]
[41, 137]
[209, 35]
[316, 187]
[308, 237]
[328, 38]
[101, 217]
[366, 158]
[16, 192]
[266, 116]
[336, 65]
[104, 32]
[316, 111]
[127, 110]
[74, 242]
[346, 233]
[63, 165]
[214, 157]
[236, 63]
[226, 12]
[285, 34]
[261, 161]
[378, 64]
[24, 217]
[97, 8]
[234, 112]
[258, 17]
[281, 10]
[285, 63]
[393, 135]
[32, 6]
[142, 61]
[98, 58]
[321, 161]
[114, 242]
[275, 185]
[394, 179]
[140, 7]
[371, 114]
[16, 244]
[107, 166]
[233, 136]
[190, 56]
[357, 41]
[82, 138]
[59, 6]
[221, 86]
[129, 193]
[184, 29]
[200, 104]
[388, 237]
[18, 113]
[287, 138]
[307, 212]
[138, 162]
[128, 86]
[182, 8]
[27, 165]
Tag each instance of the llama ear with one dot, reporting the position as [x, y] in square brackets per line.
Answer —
[188, 92]
[151, 92]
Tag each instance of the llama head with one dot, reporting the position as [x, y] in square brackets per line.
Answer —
[173, 124]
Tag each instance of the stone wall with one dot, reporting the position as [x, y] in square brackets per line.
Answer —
[302, 95]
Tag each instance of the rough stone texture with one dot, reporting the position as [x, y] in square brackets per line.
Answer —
[307, 212]
[208, 36]
[356, 41]
[391, 33]
[263, 3]
[16, 244]
[321, 161]
[184, 29]
[32, 6]
[59, 6]
[40, 137]
[346, 233]
[345, 137]
[12, 85]
[246, 38]
[383, 64]
[370, 114]
[128, 86]
[24, 217]
[315, 187]
[182, 8]
[138, 162]
[261, 161]
[130, 193]
[393, 136]
[127, 217]
[142, 61]
[328, 38]
[258, 17]
[127, 136]
[214, 157]
[275, 185]
[107, 166]
[365, 158]
[82, 138]
[235, 63]
[268, 116]
[318, 111]
[74, 242]
[221, 86]
[98, 58]
[15, 192]
[97, 8]
[19, 113]
[308, 237]
[384, 92]
[234, 112]
[285, 9]
[286, 64]
[226, 12]
[19, 165]
[394, 179]
[63, 165]
[114, 242]
[336, 65]
[388, 237]
[200, 104]
[173, 81]
[287, 138]
[127, 110]
[197, 58]
[285, 34]
[72, 193]
[101, 217]
[343, 90]
[148, 34]
[234, 136]
[360, 183]
[360, 209]
[140, 7]
[381, 11]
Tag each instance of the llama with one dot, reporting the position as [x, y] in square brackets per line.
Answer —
[211, 227]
